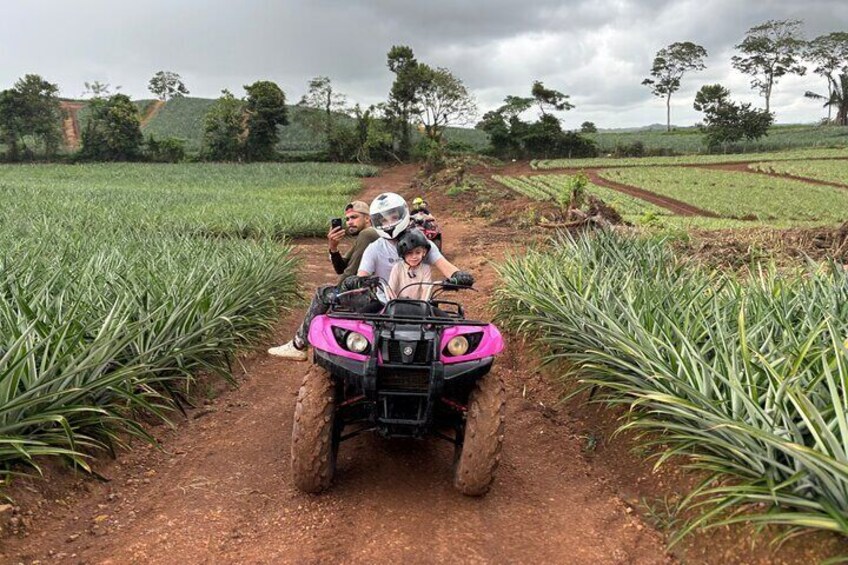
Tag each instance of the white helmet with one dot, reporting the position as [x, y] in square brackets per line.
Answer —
[389, 215]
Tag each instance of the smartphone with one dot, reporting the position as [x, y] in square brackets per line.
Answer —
[335, 223]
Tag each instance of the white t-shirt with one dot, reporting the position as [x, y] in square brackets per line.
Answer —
[381, 256]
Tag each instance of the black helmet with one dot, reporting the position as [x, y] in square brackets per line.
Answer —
[409, 240]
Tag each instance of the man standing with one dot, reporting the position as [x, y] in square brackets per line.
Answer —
[358, 227]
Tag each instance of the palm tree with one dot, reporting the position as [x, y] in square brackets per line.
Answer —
[837, 98]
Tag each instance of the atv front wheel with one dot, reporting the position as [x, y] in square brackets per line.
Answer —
[482, 439]
[315, 439]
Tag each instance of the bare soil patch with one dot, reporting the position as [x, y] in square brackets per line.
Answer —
[151, 111]
[70, 123]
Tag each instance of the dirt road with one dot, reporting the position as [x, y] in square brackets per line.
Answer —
[219, 491]
[70, 123]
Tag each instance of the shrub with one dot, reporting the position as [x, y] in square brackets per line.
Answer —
[168, 150]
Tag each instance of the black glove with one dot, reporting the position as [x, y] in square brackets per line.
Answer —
[351, 283]
[461, 278]
[354, 282]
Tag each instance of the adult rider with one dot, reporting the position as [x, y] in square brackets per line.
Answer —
[359, 228]
[390, 217]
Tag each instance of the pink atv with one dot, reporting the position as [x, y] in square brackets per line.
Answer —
[416, 369]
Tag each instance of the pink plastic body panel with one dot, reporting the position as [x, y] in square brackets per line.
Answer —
[321, 335]
[491, 344]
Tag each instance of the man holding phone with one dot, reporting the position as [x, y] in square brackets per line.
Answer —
[358, 222]
[359, 227]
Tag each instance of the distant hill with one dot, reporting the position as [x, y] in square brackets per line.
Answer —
[652, 127]
[183, 118]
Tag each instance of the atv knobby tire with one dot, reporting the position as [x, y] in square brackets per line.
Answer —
[314, 444]
[483, 436]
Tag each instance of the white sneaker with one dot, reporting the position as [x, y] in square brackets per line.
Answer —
[289, 351]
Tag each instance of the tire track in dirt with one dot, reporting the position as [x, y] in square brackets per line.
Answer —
[220, 488]
[743, 167]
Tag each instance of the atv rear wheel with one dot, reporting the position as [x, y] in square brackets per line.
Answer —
[315, 437]
[481, 445]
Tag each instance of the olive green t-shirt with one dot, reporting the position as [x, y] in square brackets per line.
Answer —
[354, 256]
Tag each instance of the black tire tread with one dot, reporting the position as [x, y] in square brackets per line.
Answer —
[312, 457]
[483, 438]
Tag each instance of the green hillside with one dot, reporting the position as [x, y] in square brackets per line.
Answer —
[183, 118]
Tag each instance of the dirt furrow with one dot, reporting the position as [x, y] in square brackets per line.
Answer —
[676, 206]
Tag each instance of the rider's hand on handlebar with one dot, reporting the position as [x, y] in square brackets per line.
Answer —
[354, 282]
[460, 279]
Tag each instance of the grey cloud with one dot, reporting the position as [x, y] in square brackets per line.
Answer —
[598, 51]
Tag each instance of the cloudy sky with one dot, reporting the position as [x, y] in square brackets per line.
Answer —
[598, 51]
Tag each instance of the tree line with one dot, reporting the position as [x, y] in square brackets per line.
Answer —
[768, 51]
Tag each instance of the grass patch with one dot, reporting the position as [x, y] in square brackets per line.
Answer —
[739, 195]
[119, 282]
[797, 154]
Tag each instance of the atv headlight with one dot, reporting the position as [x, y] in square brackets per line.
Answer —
[458, 346]
[356, 342]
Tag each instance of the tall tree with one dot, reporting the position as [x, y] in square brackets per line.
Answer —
[167, 84]
[266, 109]
[11, 126]
[30, 110]
[769, 51]
[98, 89]
[548, 99]
[403, 95]
[670, 64]
[504, 126]
[322, 96]
[510, 136]
[113, 130]
[829, 53]
[442, 100]
[223, 129]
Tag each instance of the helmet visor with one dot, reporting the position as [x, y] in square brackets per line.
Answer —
[386, 220]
